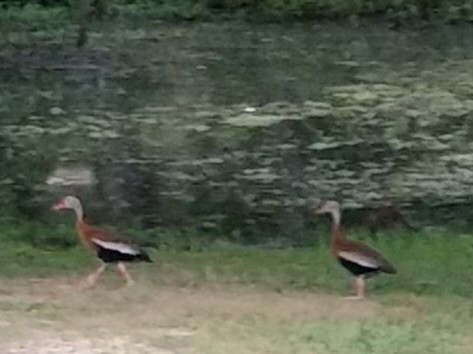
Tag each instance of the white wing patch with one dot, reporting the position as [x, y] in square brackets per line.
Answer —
[359, 259]
[117, 246]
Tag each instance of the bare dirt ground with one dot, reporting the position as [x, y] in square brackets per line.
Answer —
[46, 316]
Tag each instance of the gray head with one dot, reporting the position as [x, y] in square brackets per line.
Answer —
[70, 202]
[328, 207]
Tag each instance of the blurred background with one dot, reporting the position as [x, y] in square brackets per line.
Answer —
[232, 119]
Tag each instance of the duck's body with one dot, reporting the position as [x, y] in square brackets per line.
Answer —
[359, 259]
[108, 247]
[387, 216]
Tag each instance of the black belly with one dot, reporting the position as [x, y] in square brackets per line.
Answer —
[356, 269]
[112, 256]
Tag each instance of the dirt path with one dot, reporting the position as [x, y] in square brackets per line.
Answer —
[53, 316]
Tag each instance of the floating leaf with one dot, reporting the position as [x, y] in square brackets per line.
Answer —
[250, 120]
[55, 111]
[348, 63]
[199, 128]
[318, 109]
[364, 96]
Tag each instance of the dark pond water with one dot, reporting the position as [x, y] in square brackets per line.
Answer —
[238, 128]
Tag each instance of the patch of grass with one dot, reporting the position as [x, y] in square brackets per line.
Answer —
[428, 263]
[373, 335]
[33, 16]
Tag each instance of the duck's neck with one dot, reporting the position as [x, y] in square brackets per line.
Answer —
[79, 213]
[82, 228]
[336, 227]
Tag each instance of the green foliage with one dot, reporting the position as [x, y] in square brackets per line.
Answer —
[33, 16]
[38, 235]
[315, 9]
[451, 10]
[24, 168]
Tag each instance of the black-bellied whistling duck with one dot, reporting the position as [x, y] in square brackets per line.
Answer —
[360, 260]
[385, 216]
[108, 247]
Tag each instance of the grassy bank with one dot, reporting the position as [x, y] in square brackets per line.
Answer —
[237, 300]
[428, 263]
[59, 12]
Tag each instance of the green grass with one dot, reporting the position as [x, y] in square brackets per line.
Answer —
[428, 263]
[30, 17]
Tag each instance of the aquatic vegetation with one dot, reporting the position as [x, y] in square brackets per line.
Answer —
[215, 152]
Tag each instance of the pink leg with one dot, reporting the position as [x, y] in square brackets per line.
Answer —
[94, 276]
[359, 287]
[122, 270]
